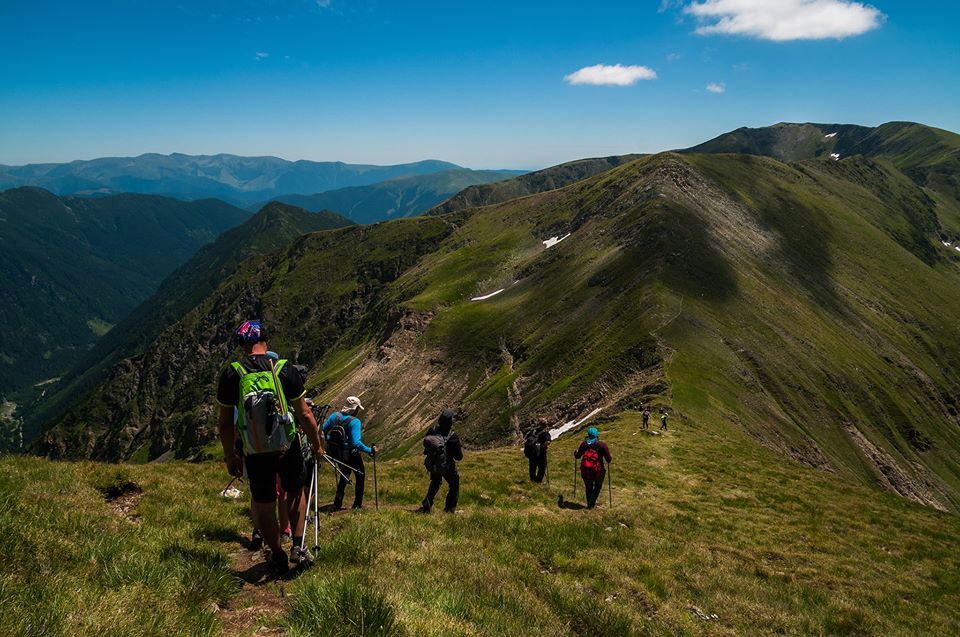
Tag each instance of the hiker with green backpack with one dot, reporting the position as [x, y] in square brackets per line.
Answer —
[269, 397]
[594, 456]
[442, 451]
[342, 431]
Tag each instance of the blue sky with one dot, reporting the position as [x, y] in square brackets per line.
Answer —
[482, 84]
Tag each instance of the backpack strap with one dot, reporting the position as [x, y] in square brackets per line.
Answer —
[239, 368]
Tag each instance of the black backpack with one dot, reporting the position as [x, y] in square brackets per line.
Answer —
[337, 442]
[531, 446]
[435, 450]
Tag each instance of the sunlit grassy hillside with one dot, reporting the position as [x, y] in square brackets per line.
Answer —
[704, 520]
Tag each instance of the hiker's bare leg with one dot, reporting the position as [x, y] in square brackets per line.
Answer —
[265, 517]
[296, 503]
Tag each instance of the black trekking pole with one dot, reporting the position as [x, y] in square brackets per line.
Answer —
[609, 486]
[574, 477]
[376, 490]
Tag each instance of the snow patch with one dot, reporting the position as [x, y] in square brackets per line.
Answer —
[552, 241]
[946, 243]
[835, 156]
[573, 424]
[831, 135]
[487, 296]
[957, 248]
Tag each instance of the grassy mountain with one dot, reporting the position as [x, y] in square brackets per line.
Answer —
[930, 156]
[530, 183]
[805, 304]
[401, 197]
[274, 226]
[73, 267]
[241, 180]
[704, 520]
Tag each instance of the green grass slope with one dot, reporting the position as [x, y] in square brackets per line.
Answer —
[807, 304]
[73, 267]
[396, 198]
[704, 520]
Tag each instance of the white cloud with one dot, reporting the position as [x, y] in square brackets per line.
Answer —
[611, 75]
[673, 57]
[323, 4]
[261, 55]
[717, 87]
[783, 20]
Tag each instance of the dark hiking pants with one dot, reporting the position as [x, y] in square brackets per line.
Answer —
[355, 460]
[538, 467]
[452, 476]
[593, 489]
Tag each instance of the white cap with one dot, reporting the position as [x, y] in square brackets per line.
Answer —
[352, 403]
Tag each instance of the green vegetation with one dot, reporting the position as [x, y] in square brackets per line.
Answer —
[72, 266]
[703, 517]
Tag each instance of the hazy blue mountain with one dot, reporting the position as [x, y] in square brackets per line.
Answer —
[239, 180]
[402, 197]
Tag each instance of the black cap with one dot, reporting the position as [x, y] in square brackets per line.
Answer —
[446, 419]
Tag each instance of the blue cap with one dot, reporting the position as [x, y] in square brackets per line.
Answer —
[592, 434]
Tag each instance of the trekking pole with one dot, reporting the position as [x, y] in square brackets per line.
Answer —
[306, 511]
[344, 464]
[335, 468]
[316, 508]
[609, 486]
[574, 478]
[376, 490]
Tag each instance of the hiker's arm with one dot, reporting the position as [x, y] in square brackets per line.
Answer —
[309, 424]
[606, 452]
[227, 436]
[578, 451]
[457, 451]
[355, 437]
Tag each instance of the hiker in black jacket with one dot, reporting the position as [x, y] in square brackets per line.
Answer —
[442, 449]
[535, 443]
[594, 456]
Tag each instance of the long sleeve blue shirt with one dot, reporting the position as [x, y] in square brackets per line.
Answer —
[351, 425]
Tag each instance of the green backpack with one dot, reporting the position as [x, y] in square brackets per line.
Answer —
[265, 422]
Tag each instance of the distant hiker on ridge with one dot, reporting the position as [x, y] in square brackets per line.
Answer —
[663, 419]
[442, 450]
[259, 388]
[342, 432]
[593, 456]
[646, 417]
[535, 443]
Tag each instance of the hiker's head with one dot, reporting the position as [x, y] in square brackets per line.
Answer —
[542, 422]
[445, 422]
[352, 405]
[593, 435]
[252, 336]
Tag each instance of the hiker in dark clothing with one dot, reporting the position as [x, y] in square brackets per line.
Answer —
[347, 449]
[442, 449]
[535, 443]
[646, 417]
[269, 398]
[593, 468]
[663, 419]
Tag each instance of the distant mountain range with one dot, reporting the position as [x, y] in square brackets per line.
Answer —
[401, 197]
[239, 180]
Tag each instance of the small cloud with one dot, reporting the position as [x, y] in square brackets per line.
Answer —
[717, 87]
[261, 55]
[667, 5]
[784, 20]
[673, 57]
[741, 67]
[611, 75]
[323, 4]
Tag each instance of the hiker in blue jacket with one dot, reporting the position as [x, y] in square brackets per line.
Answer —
[342, 431]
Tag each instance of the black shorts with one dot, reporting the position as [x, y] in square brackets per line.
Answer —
[262, 471]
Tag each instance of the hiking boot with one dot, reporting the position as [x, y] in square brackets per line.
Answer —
[285, 535]
[357, 506]
[256, 540]
[278, 562]
[301, 556]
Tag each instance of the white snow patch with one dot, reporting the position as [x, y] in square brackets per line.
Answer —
[957, 248]
[573, 424]
[835, 156]
[830, 136]
[487, 296]
[946, 243]
[552, 241]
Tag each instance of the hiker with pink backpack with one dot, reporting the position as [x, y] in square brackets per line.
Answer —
[594, 456]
